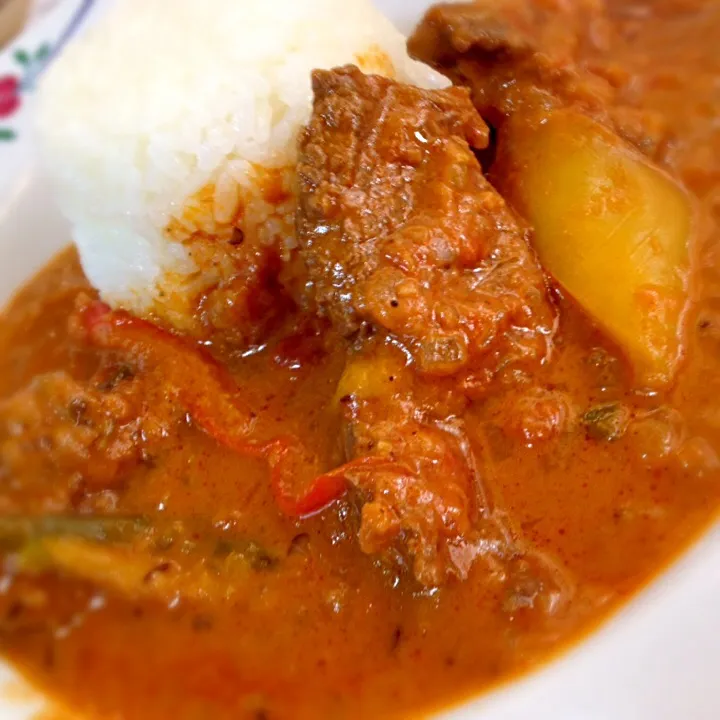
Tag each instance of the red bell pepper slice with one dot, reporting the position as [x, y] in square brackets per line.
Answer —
[201, 384]
[289, 462]
[210, 395]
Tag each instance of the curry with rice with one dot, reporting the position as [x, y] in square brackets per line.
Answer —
[469, 415]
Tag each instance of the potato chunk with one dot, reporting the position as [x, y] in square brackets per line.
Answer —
[610, 227]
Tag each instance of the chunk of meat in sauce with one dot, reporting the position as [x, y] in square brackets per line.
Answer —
[564, 145]
[407, 243]
[420, 487]
[536, 414]
[88, 431]
[243, 309]
[425, 500]
[400, 229]
[147, 383]
[520, 56]
[538, 42]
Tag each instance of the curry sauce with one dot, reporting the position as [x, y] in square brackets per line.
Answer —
[181, 582]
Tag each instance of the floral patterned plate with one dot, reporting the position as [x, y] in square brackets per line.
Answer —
[659, 659]
[21, 226]
[21, 64]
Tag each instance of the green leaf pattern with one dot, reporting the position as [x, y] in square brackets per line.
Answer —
[29, 62]
[22, 57]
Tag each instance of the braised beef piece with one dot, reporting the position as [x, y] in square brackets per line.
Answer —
[243, 309]
[401, 231]
[413, 469]
[503, 48]
[417, 259]
[518, 56]
[88, 433]
[425, 503]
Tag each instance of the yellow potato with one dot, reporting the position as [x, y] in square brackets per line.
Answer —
[610, 227]
[379, 373]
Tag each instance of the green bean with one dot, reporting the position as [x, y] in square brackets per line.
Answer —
[16, 531]
[26, 533]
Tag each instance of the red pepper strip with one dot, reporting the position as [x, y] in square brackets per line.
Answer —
[287, 458]
[288, 463]
[203, 387]
[208, 393]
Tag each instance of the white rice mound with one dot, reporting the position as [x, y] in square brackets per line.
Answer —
[157, 124]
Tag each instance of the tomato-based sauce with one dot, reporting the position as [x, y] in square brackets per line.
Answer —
[339, 522]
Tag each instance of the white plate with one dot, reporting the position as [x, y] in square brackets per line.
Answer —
[659, 659]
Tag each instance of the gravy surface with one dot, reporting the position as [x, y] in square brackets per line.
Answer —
[327, 631]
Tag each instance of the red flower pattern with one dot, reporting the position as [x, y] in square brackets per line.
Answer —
[9, 95]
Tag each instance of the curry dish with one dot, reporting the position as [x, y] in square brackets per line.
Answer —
[472, 413]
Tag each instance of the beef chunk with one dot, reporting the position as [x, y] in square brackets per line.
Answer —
[401, 231]
[426, 506]
[525, 56]
[417, 477]
[515, 52]
[413, 255]
[60, 435]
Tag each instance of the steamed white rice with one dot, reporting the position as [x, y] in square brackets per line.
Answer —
[163, 122]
